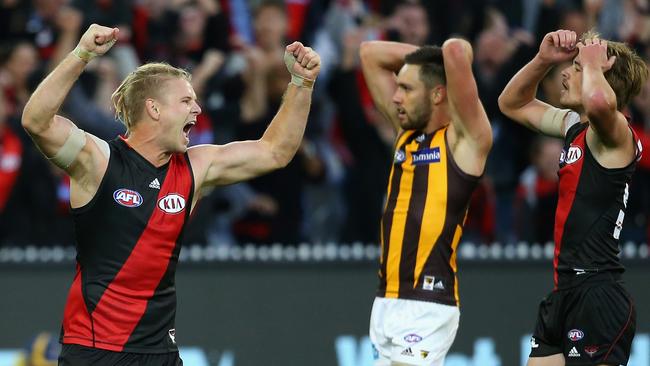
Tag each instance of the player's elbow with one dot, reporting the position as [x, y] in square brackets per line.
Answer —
[280, 159]
[366, 51]
[29, 120]
[505, 105]
[599, 105]
[280, 156]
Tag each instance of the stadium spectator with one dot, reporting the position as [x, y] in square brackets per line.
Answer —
[366, 168]
[536, 195]
[283, 189]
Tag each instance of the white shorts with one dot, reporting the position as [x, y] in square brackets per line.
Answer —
[412, 332]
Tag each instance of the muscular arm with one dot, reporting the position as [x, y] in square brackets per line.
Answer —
[237, 161]
[468, 116]
[241, 160]
[518, 100]
[380, 61]
[50, 131]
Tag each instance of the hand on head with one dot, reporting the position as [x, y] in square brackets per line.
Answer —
[559, 46]
[593, 51]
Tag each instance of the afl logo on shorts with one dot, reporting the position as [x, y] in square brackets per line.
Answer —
[575, 335]
[412, 338]
[172, 203]
[574, 154]
[127, 197]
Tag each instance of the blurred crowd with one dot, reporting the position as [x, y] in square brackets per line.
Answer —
[334, 188]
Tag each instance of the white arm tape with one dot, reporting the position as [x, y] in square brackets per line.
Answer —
[102, 145]
[553, 119]
[70, 149]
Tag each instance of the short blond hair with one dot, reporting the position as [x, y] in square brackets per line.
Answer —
[144, 82]
[628, 74]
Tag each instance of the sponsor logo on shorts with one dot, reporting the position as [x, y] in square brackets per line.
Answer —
[172, 335]
[575, 335]
[127, 197]
[424, 353]
[400, 156]
[426, 156]
[412, 338]
[533, 343]
[172, 203]
[574, 352]
[407, 352]
[591, 350]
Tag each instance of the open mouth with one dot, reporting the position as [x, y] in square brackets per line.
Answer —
[188, 126]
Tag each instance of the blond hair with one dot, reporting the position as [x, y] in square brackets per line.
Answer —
[144, 82]
[628, 74]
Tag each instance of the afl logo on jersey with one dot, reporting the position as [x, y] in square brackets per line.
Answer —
[574, 154]
[127, 197]
[400, 156]
[172, 203]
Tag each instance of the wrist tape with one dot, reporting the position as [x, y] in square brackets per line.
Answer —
[84, 55]
[297, 80]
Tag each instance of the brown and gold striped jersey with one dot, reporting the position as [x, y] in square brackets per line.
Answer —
[427, 200]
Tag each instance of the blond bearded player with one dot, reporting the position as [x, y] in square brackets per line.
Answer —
[131, 197]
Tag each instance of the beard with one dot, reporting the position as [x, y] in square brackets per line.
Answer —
[419, 118]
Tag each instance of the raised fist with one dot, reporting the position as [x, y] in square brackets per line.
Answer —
[98, 39]
[307, 61]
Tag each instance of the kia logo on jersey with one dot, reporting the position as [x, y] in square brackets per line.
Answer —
[574, 154]
[172, 203]
[127, 197]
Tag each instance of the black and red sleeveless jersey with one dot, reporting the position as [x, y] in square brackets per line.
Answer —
[123, 297]
[590, 210]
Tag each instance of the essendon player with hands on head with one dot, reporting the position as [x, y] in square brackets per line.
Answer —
[589, 318]
[131, 197]
[443, 138]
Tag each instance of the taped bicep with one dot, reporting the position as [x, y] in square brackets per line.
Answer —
[74, 143]
[556, 122]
